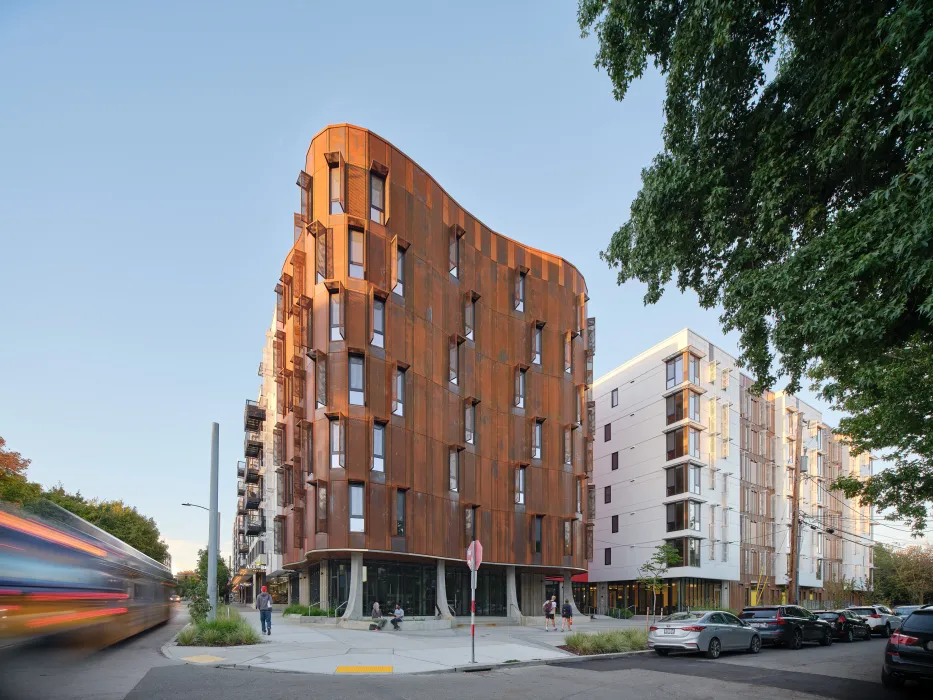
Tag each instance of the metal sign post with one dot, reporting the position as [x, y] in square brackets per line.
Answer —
[474, 559]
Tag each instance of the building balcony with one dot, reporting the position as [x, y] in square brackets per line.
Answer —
[252, 472]
[241, 506]
[253, 499]
[253, 416]
[242, 546]
[241, 470]
[255, 525]
[252, 444]
[240, 527]
[241, 486]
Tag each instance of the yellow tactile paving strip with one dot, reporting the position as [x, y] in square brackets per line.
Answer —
[203, 659]
[364, 669]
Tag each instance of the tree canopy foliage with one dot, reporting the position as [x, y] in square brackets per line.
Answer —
[116, 517]
[795, 190]
[905, 575]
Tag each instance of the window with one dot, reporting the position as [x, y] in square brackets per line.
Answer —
[400, 512]
[539, 343]
[377, 198]
[537, 441]
[356, 254]
[694, 406]
[614, 398]
[819, 462]
[684, 478]
[539, 523]
[568, 446]
[453, 362]
[615, 523]
[336, 327]
[683, 515]
[607, 556]
[357, 395]
[568, 354]
[675, 371]
[520, 485]
[579, 495]
[379, 447]
[399, 407]
[469, 423]
[607, 494]
[309, 449]
[689, 550]
[469, 318]
[607, 432]
[454, 469]
[357, 523]
[321, 508]
[379, 323]
[454, 255]
[568, 538]
[335, 205]
[336, 444]
[694, 368]
[520, 292]
[693, 446]
[399, 272]
[615, 461]
[519, 387]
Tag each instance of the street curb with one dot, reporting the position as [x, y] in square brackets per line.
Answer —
[567, 661]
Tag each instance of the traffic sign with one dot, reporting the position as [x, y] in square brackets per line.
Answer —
[474, 555]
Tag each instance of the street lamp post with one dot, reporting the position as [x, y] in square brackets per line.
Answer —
[213, 542]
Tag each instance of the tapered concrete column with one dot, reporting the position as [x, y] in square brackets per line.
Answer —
[568, 594]
[441, 587]
[325, 586]
[354, 609]
[511, 595]
[304, 592]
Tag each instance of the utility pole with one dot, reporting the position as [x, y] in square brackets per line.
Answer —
[793, 577]
[214, 533]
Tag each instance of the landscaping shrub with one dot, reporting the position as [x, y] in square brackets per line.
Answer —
[296, 609]
[222, 632]
[608, 642]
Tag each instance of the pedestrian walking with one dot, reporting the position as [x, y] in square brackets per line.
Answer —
[550, 607]
[566, 615]
[264, 606]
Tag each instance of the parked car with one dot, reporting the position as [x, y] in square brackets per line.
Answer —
[709, 631]
[880, 617]
[789, 625]
[903, 611]
[847, 625]
[908, 655]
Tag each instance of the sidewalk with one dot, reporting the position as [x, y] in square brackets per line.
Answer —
[323, 649]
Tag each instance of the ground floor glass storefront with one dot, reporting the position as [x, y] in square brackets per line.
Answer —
[490, 590]
[388, 582]
[674, 595]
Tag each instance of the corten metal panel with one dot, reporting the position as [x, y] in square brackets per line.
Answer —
[418, 333]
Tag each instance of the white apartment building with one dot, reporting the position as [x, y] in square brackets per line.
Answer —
[685, 454]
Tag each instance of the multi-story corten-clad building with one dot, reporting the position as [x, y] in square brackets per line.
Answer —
[433, 386]
[686, 454]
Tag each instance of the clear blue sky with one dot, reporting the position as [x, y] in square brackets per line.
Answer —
[148, 157]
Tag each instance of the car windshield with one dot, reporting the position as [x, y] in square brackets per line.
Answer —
[749, 614]
[676, 617]
[904, 609]
[863, 611]
[828, 615]
[919, 621]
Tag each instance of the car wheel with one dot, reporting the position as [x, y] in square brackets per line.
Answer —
[868, 635]
[886, 632]
[890, 682]
[827, 639]
[755, 646]
[714, 649]
[849, 636]
[797, 641]
[663, 652]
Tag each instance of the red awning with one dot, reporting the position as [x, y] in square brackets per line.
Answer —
[576, 578]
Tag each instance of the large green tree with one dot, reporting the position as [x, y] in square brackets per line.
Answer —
[795, 190]
[223, 573]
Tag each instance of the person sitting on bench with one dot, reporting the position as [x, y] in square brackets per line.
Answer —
[397, 616]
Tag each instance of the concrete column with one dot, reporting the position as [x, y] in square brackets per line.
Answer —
[325, 586]
[304, 592]
[441, 589]
[354, 609]
[602, 598]
[568, 594]
[511, 596]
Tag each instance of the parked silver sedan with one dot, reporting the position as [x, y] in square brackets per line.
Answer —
[709, 631]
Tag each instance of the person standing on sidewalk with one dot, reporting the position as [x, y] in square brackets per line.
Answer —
[566, 615]
[264, 606]
[550, 606]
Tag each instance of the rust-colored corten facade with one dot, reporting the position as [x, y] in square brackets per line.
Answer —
[433, 378]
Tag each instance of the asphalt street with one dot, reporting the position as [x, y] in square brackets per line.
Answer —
[136, 670]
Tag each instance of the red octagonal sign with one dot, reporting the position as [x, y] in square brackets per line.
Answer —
[474, 555]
